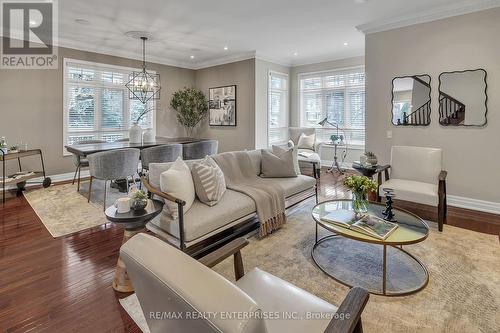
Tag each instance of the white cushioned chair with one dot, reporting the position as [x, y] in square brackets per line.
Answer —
[417, 176]
[166, 280]
[315, 157]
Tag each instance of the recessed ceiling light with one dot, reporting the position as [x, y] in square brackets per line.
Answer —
[82, 21]
[295, 53]
[346, 43]
[191, 56]
[226, 48]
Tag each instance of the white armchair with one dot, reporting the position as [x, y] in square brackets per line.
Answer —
[417, 176]
[313, 155]
[166, 280]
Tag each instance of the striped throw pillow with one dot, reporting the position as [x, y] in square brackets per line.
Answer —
[209, 182]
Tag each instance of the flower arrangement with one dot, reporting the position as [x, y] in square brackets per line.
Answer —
[360, 186]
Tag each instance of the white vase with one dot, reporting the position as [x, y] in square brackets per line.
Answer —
[148, 136]
[135, 134]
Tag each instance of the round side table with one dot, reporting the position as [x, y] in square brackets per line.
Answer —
[132, 222]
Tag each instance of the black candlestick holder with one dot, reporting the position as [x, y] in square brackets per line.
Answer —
[388, 213]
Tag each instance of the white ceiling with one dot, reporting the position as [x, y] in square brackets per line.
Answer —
[274, 29]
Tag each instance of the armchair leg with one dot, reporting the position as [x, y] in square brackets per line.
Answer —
[239, 271]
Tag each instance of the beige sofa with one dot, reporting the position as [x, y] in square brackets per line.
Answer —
[234, 211]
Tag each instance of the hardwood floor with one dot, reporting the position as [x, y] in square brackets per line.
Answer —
[64, 284]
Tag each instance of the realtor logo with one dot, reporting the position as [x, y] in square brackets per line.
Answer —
[29, 31]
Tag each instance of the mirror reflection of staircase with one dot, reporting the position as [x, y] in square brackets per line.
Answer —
[452, 111]
[421, 116]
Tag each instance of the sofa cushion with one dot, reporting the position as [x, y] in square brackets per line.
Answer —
[306, 141]
[156, 169]
[293, 185]
[278, 163]
[209, 182]
[202, 219]
[273, 294]
[178, 182]
[409, 190]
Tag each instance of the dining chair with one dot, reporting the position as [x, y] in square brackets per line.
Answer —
[81, 161]
[112, 165]
[200, 149]
[160, 154]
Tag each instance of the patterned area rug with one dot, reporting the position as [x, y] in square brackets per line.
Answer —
[64, 211]
[463, 294]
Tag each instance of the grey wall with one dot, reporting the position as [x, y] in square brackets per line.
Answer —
[242, 74]
[31, 104]
[471, 155]
[262, 69]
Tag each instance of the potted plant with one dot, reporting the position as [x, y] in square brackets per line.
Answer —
[191, 106]
[360, 186]
[371, 158]
[139, 200]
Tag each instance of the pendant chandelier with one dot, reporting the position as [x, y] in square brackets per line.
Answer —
[144, 86]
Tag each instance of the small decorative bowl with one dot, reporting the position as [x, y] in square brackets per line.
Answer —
[138, 205]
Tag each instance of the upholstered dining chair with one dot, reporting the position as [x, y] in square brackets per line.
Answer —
[112, 165]
[82, 162]
[417, 176]
[186, 286]
[310, 155]
[200, 149]
[160, 154]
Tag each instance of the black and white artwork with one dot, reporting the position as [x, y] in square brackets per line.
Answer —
[222, 106]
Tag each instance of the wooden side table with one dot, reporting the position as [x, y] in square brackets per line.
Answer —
[133, 223]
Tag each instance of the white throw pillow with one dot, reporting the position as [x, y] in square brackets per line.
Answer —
[178, 182]
[306, 141]
[209, 182]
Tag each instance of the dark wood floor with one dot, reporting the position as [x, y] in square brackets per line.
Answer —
[64, 284]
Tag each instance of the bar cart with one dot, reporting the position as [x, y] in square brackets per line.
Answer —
[20, 178]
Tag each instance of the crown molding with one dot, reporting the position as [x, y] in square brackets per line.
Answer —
[89, 47]
[442, 12]
[322, 59]
[230, 58]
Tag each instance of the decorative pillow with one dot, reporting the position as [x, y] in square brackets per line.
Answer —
[209, 182]
[178, 182]
[277, 150]
[306, 141]
[277, 164]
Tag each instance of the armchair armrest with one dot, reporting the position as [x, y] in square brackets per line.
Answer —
[232, 248]
[442, 175]
[383, 168]
[348, 319]
[161, 194]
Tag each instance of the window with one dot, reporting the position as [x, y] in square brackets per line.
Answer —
[97, 104]
[338, 95]
[277, 97]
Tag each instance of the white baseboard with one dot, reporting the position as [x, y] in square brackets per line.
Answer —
[474, 204]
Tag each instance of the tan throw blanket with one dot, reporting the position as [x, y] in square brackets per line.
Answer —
[269, 199]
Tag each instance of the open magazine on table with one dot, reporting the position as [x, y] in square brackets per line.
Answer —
[367, 224]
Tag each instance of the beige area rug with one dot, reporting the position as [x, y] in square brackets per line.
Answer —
[463, 294]
[64, 211]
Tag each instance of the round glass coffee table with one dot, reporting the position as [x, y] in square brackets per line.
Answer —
[380, 266]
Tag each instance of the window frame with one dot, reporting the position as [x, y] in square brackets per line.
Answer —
[322, 90]
[99, 86]
[287, 104]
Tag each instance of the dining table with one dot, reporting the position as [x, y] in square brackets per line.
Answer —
[85, 149]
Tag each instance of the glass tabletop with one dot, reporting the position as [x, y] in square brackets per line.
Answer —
[411, 228]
